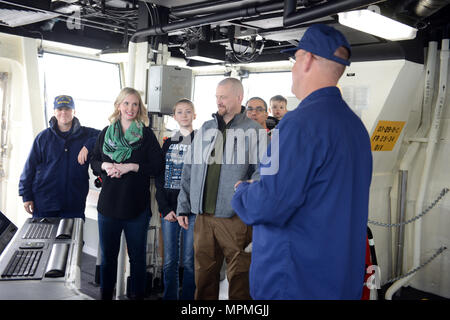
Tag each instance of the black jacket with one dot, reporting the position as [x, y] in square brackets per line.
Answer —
[128, 196]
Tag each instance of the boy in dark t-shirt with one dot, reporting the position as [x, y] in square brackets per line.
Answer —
[168, 187]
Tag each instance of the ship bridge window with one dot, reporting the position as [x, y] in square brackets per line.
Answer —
[93, 85]
[266, 85]
[262, 84]
[204, 98]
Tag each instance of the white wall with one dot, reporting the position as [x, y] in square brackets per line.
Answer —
[435, 277]
[19, 59]
[384, 90]
[393, 90]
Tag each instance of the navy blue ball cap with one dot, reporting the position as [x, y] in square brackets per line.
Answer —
[323, 40]
[63, 101]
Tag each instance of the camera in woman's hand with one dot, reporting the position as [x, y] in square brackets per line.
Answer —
[98, 182]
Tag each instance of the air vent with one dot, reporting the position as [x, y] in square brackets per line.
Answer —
[16, 18]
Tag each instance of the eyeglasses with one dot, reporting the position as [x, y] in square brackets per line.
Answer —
[257, 109]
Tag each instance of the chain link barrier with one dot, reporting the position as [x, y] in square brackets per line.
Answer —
[393, 225]
[438, 252]
[424, 212]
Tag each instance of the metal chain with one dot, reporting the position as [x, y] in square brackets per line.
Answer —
[438, 252]
[391, 225]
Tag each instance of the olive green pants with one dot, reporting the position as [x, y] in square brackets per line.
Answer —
[214, 239]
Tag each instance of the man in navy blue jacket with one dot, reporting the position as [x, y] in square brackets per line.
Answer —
[310, 217]
[55, 179]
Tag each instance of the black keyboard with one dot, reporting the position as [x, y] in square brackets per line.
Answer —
[23, 263]
[38, 231]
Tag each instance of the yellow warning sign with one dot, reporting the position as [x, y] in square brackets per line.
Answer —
[386, 135]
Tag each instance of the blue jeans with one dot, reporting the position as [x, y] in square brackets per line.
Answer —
[171, 237]
[110, 230]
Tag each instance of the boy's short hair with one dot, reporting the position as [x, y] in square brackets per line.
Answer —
[184, 100]
[279, 98]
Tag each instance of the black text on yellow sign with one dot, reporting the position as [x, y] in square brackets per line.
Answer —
[386, 135]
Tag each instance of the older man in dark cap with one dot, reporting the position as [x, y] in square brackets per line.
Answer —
[55, 179]
[309, 219]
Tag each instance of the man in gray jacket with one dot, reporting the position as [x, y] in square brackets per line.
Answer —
[224, 151]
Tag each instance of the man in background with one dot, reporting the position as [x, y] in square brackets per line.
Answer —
[55, 178]
[257, 110]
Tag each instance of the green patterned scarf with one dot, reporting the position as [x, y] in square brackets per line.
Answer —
[118, 146]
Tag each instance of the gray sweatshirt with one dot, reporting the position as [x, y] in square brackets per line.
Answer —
[240, 160]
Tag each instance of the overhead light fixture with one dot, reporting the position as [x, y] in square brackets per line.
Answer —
[206, 52]
[371, 21]
[114, 55]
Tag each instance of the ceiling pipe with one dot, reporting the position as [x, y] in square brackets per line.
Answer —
[252, 11]
[209, 7]
[425, 8]
[292, 17]
[202, 8]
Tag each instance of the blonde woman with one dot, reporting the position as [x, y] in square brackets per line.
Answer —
[126, 154]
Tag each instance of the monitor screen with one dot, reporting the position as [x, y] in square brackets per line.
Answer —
[7, 231]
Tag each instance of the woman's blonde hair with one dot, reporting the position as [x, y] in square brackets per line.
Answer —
[125, 92]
